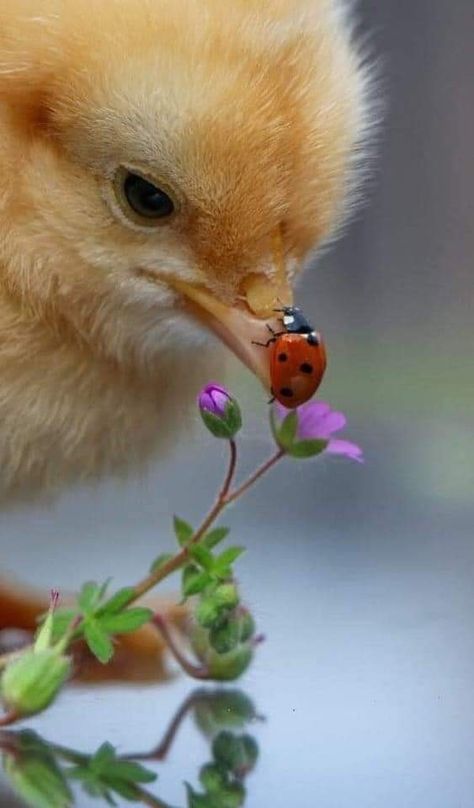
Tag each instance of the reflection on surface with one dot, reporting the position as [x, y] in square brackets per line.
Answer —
[45, 775]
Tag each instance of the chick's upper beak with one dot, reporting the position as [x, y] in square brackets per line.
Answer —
[236, 326]
[242, 325]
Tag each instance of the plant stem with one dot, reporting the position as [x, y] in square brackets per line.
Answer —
[255, 476]
[180, 558]
[223, 500]
[195, 671]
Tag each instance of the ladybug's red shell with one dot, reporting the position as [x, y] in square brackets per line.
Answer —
[296, 368]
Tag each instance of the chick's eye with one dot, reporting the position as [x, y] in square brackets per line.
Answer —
[145, 199]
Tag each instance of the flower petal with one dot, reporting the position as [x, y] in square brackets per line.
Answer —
[311, 420]
[346, 449]
[333, 422]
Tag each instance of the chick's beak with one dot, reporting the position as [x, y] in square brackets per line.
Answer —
[241, 326]
[237, 326]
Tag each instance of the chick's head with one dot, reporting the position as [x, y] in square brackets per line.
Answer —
[184, 146]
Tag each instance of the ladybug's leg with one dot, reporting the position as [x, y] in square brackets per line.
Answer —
[264, 344]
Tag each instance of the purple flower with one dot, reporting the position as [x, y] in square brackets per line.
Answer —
[219, 411]
[317, 422]
[214, 398]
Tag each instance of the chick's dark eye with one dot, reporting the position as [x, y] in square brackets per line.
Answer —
[146, 199]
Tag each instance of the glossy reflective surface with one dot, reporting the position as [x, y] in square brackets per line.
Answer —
[365, 679]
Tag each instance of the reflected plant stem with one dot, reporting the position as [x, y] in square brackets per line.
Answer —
[160, 752]
[223, 500]
[9, 718]
[148, 799]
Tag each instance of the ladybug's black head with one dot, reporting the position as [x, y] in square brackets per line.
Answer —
[294, 321]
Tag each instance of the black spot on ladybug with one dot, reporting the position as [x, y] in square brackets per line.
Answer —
[286, 392]
[282, 357]
[306, 368]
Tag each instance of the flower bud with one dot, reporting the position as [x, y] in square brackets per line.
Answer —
[30, 683]
[226, 595]
[225, 637]
[246, 625]
[222, 667]
[34, 774]
[213, 778]
[219, 411]
[235, 753]
[208, 612]
[221, 709]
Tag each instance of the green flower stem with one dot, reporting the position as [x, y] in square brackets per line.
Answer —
[180, 558]
[223, 500]
[255, 476]
[195, 671]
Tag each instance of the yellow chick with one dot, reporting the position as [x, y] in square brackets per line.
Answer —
[161, 165]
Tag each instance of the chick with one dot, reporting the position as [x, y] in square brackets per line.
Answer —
[161, 164]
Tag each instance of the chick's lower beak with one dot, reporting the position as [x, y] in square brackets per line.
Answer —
[241, 326]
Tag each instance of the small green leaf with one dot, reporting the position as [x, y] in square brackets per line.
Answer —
[98, 641]
[285, 432]
[89, 597]
[203, 556]
[215, 536]
[194, 580]
[183, 531]
[160, 561]
[307, 448]
[228, 557]
[131, 771]
[103, 588]
[127, 621]
[103, 756]
[118, 601]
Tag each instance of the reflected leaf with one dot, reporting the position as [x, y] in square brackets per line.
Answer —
[41, 773]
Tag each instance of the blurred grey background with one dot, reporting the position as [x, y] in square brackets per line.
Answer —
[360, 576]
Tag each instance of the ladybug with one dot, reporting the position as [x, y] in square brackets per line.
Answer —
[297, 360]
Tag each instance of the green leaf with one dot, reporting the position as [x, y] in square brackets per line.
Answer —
[228, 557]
[102, 757]
[103, 588]
[307, 448]
[104, 774]
[118, 601]
[203, 556]
[127, 621]
[194, 580]
[160, 561]
[89, 597]
[98, 641]
[215, 536]
[285, 432]
[183, 531]
[131, 771]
